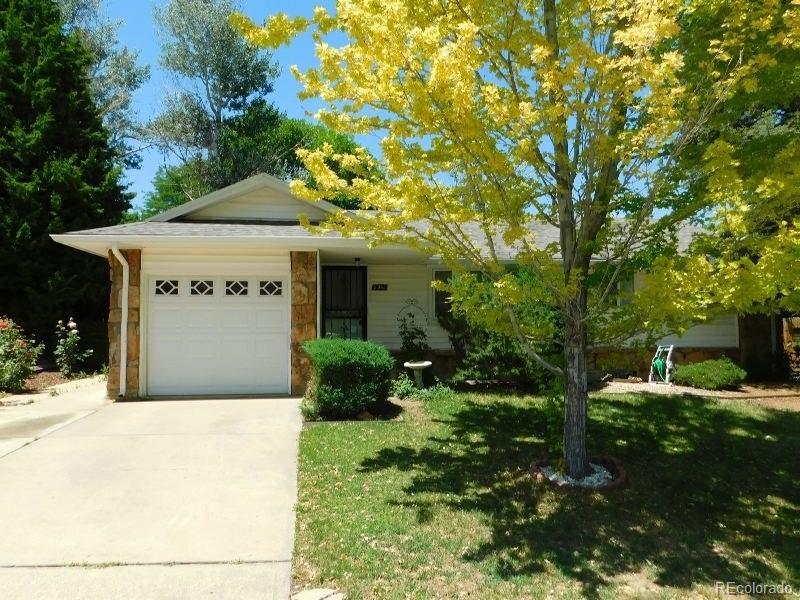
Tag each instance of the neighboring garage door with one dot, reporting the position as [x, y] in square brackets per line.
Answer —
[214, 334]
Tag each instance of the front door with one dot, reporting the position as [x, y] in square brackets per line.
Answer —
[344, 302]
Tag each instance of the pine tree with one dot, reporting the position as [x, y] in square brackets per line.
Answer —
[56, 171]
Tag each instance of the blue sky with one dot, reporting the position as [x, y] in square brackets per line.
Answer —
[139, 32]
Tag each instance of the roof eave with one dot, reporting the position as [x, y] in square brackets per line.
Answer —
[99, 244]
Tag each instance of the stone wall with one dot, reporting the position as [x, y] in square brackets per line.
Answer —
[754, 354]
[304, 315]
[791, 346]
[622, 362]
[134, 258]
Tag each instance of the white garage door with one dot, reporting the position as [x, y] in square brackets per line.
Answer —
[217, 335]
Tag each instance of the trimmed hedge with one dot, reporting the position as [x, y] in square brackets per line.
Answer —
[349, 376]
[719, 374]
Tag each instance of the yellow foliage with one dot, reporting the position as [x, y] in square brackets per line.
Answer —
[487, 127]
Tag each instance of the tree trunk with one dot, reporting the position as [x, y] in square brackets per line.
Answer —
[576, 459]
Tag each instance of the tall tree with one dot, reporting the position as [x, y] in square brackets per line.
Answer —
[503, 116]
[114, 71]
[218, 73]
[259, 140]
[220, 125]
[747, 156]
[173, 185]
[262, 140]
[57, 170]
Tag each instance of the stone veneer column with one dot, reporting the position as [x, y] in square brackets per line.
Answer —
[791, 334]
[134, 258]
[304, 315]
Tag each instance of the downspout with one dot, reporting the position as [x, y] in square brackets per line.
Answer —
[123, 333]
[319, 297]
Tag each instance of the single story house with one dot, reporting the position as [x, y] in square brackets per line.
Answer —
[217, 295]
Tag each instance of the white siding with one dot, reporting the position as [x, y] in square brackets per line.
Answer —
[722, 332]
[261, 204]
[197, 262]
[409, 290]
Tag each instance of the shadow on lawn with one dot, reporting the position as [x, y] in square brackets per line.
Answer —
[715, 493]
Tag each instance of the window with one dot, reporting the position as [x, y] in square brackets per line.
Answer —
[202, 287]
[166, 287]
[441, 298]
[236, 287]
[271, 288]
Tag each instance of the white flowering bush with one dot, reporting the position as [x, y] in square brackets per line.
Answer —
[68, 351]
[18, 356]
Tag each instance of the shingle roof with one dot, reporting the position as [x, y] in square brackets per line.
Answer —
[201, 229]
[544, 234]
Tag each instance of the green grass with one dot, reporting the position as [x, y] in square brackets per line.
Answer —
[441, 505]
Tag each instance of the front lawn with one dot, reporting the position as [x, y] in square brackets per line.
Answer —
[440, 505]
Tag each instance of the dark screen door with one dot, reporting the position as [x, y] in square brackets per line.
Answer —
[344, 302]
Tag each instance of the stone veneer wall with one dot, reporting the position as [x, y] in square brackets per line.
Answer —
[621, 361]
[791, 346]
[304, 315]
[134, 258]
[754, 353]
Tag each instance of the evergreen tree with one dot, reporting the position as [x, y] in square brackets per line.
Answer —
[56, 173]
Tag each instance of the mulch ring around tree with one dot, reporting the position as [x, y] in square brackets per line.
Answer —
[619, 476]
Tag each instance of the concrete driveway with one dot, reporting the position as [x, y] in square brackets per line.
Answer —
[158, 499]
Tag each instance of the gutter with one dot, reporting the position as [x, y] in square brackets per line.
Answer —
[123, 334]
[99, 244]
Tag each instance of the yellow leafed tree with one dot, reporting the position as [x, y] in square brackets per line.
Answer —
[500, 118]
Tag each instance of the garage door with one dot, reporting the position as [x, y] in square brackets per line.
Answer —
[217, 335]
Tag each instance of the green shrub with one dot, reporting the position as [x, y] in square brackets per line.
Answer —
[485, 346]
[413, 339]
[403, 387]
[18, 356]
[68, 351]
[436, 393]
[349, 376]
[719, 374]
[309, 409]
[489, 356]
